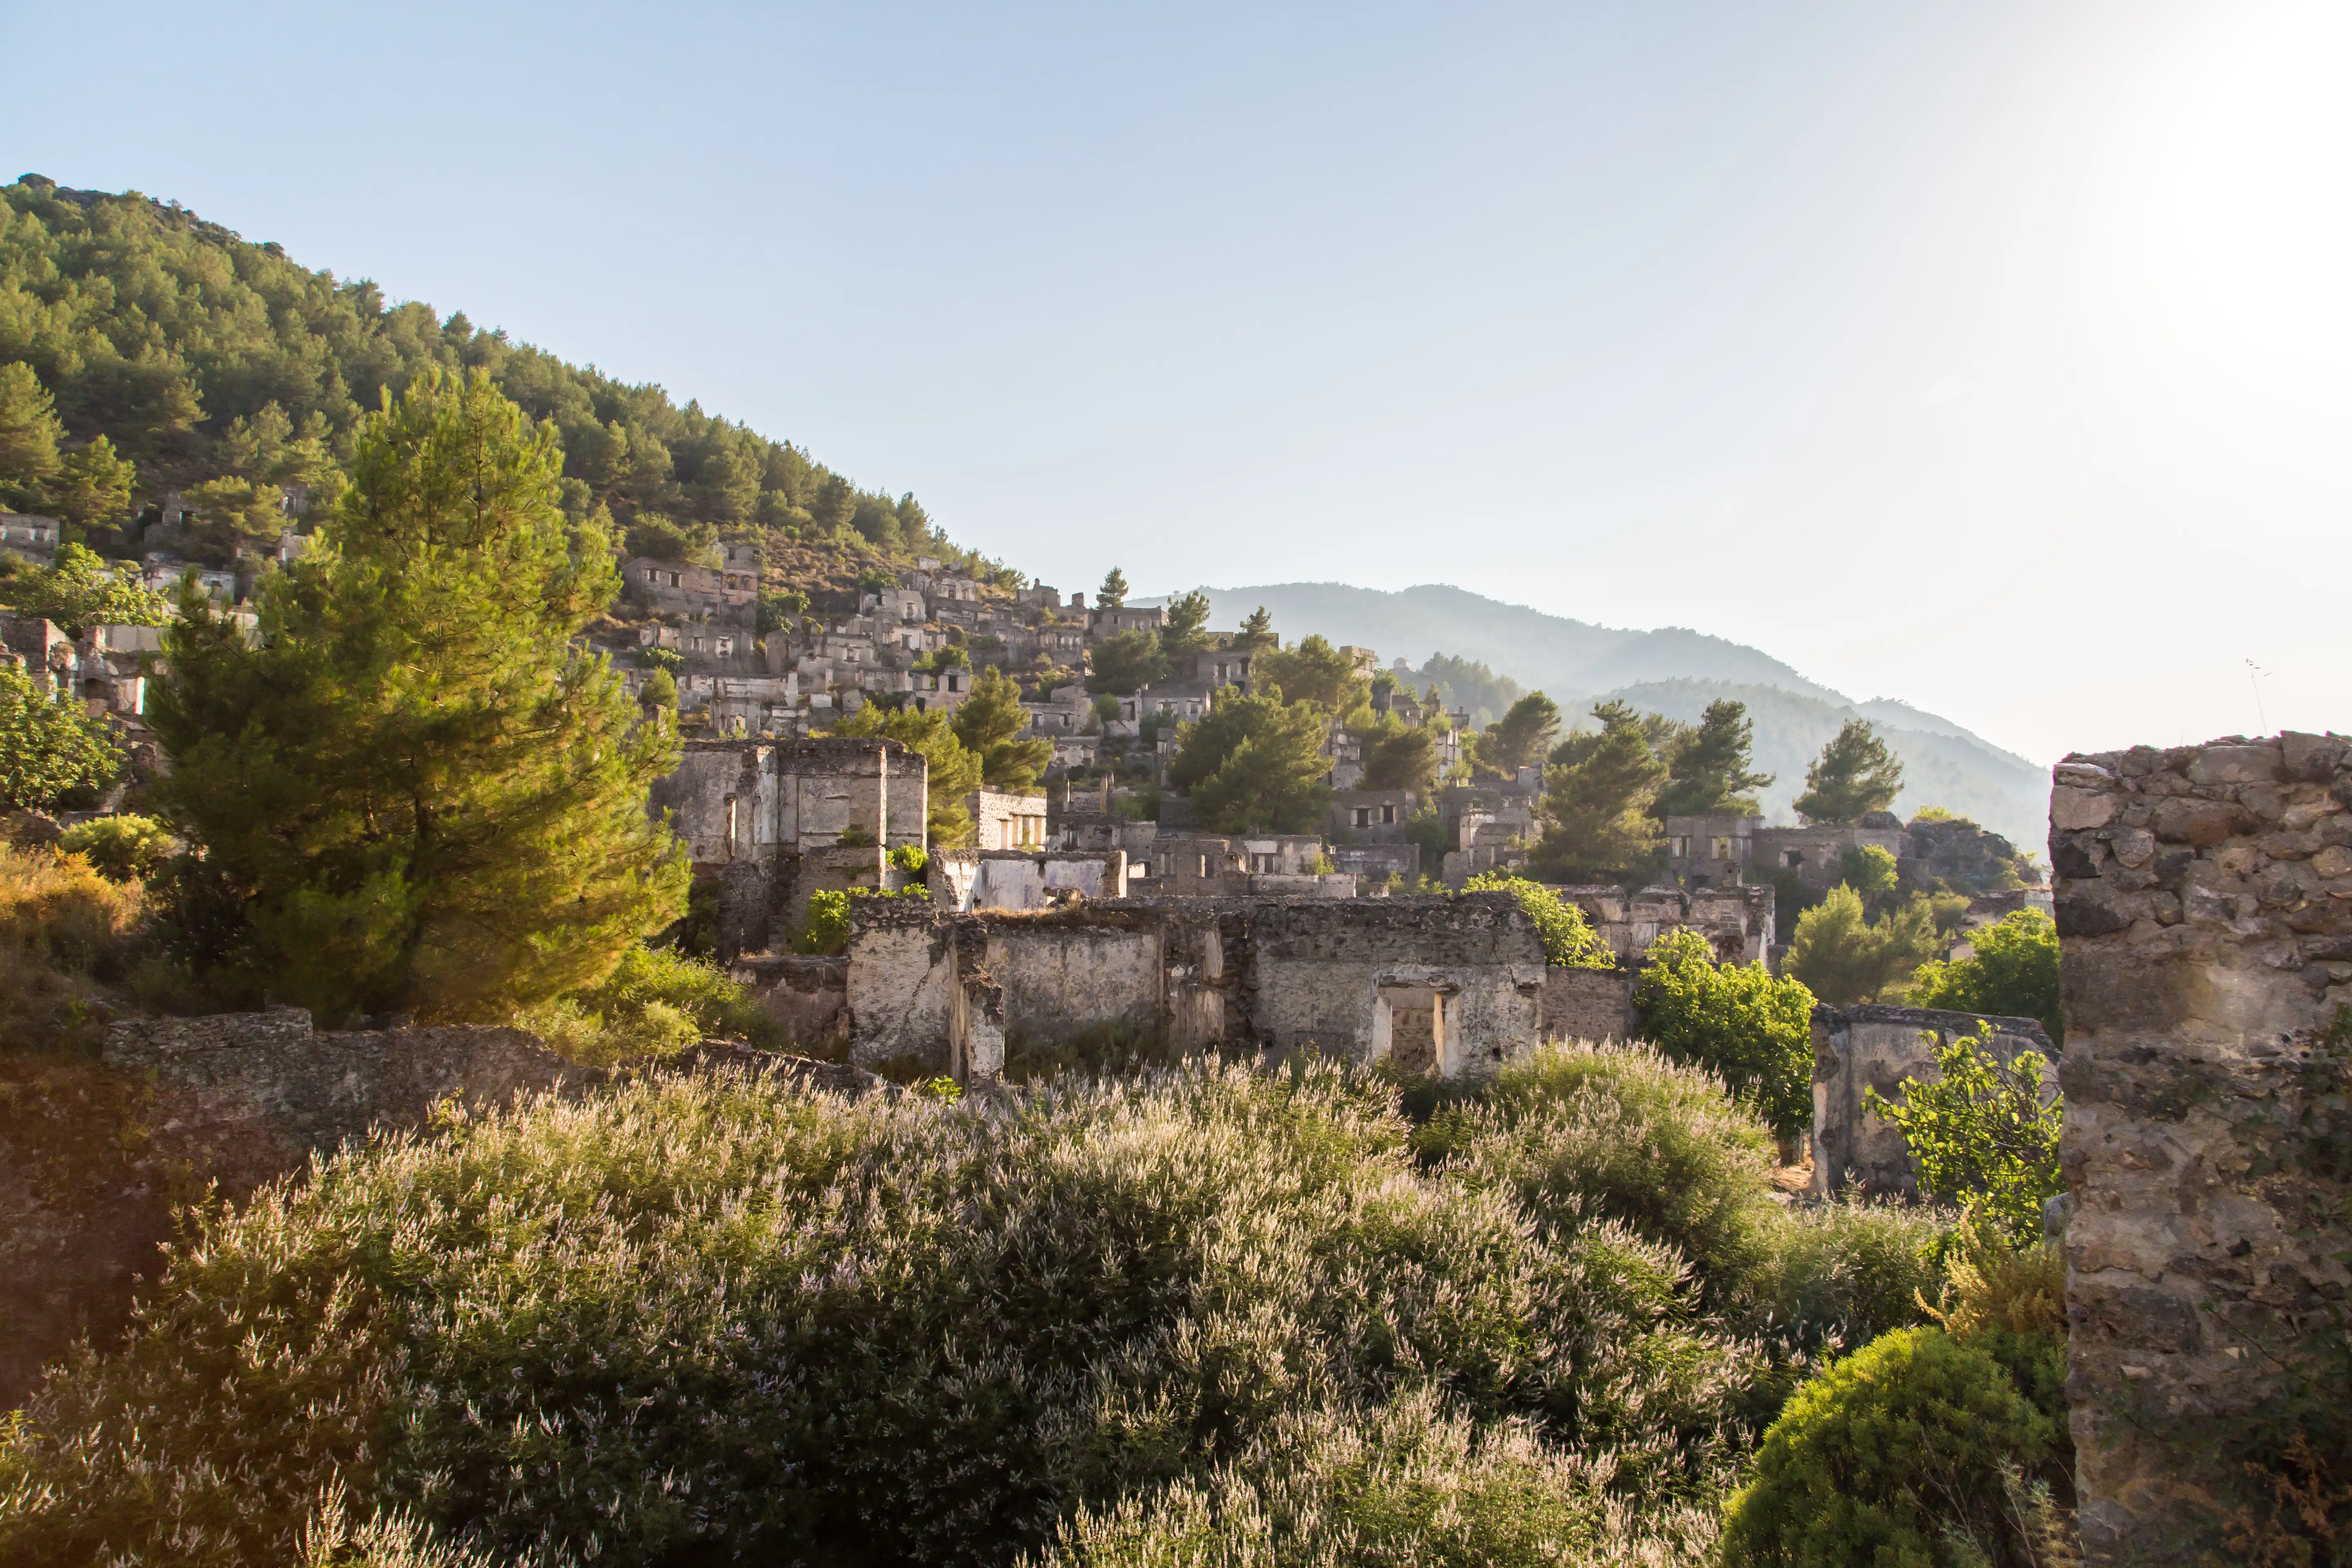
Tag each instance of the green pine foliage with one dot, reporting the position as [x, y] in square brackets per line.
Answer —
[1312, 670]
[206, 357]
[987, 722]
[1854, 775]
[1735, 1020]
[1843, 957]
[953, 769]
[422, 795]
[1125, 662]
[1255, 763]
[1597, 790]
[1517, 740]
[2012, 973]
[1707, 768]
[51, 752]
[1398, 755]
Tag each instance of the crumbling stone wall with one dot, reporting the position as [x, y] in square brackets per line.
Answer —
[763, 821]
[2204, 906]
[1589, 1005]
[1871, 1047]
[1271, 976]
[267, 1073]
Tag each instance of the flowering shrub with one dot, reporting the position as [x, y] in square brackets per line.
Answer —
[724, 1313]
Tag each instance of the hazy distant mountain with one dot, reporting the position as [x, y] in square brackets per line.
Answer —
[1673, 670]
[1566, 659]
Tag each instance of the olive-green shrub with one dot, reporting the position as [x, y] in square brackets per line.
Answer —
[722, 1314]
[1407, 1485]
[1908, 1454]
[1579, 1133]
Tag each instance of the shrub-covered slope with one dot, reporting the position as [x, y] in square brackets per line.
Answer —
[725, 1317]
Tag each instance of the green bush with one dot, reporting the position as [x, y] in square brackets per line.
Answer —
[706, 1314]
[124, 849]
[1735, 1020]
[2013, 972]
[1568, 937]
[1408, 1485]
[1918, 1451]
[655, 1003]
[1984, 1133]
[1581, 1133]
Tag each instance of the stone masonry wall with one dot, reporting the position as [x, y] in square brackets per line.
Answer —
[1589, 1005]
[1275, 975]
[2204, 906]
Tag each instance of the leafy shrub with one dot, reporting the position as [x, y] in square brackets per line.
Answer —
[655, 1003]
[1408, 1485]
[2013, 972]
[1834, 1276]
[1985, 1134]
[51, 752]
[722, 1312]
[1914, 1451]
[1843, 958]
[1580, 1135]
[125, 849]
[1734, 1019]
[1568, 937]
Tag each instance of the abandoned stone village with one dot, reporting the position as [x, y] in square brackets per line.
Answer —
[2202, 896]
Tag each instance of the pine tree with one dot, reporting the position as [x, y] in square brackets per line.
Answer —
[1255, 765]
[30, 432]
[425, 799]
[986, 723]
[1706, 768]
[1257, 632]
[1596, 803]
[1856, 774]
[954, 769]
[93, 485]
[1185, 631]
[1113, 592]
[1518, 738]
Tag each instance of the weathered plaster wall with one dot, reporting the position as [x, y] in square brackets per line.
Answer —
[1589, 1005]
[2204, 906]
[808, 994]
[1273, 975]
[1059, 979]
[1858, 1049]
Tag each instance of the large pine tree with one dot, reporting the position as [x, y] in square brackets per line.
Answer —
[422, 795]
[1596, 804]
[1708, 767]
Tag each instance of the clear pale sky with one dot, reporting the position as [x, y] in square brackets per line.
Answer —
[1996, 356]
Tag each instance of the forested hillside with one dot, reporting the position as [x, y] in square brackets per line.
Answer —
[204, 358]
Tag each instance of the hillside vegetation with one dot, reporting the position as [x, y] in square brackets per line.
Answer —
[203, 356]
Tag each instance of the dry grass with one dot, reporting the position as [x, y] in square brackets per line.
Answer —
[68, 946]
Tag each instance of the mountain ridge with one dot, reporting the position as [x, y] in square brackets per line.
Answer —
[1673, 670]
